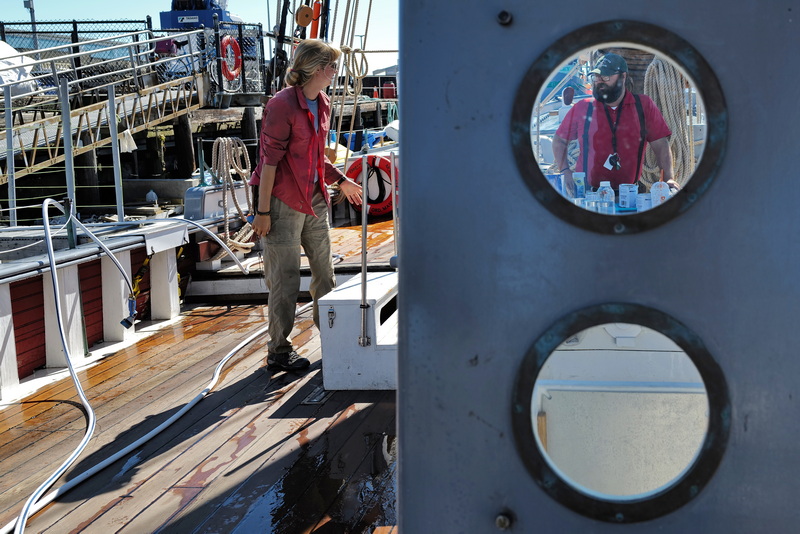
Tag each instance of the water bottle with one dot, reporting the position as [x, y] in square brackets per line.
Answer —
[606, 193]
[606, 203]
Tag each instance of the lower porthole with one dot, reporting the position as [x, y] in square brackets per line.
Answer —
[620, 413]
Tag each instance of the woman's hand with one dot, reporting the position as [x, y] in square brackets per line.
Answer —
[261, 225]
[351, 191]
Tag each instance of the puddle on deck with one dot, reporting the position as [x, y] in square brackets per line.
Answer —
[352, 489]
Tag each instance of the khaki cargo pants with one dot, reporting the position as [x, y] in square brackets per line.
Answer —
[291, 230]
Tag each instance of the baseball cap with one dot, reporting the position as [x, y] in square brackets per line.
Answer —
[610, 64]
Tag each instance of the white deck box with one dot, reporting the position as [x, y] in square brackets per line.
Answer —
[345, 363]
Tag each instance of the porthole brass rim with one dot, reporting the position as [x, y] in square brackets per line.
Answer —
[684, 488]
[636, 33]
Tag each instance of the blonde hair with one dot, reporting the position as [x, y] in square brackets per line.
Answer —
[309, 56]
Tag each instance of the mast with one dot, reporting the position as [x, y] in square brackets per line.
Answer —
[279, 58]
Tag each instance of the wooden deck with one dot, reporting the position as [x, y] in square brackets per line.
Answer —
[264, 452]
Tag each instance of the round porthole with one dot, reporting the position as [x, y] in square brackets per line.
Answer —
[620, 413]
[603, 111]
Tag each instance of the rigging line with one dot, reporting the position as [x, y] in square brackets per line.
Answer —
[353, 19]
[333, 26]
[366, 26]
[664, 84]
[222, 159]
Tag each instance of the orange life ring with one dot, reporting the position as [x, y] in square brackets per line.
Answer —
[231, 42]
[381, 169]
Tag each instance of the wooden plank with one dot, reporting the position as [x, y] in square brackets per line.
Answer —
[139, 354]
[39, 447]
[64, 389]
[123, 437]
[364, 462]
[270, 492]
[227, 454]
[154, 478]
[27, 300]
[208, 464]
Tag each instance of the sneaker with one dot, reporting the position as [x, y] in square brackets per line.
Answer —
[287, 361]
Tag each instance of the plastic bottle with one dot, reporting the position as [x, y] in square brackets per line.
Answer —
[659, 193]
[606, 192]
[579, 178]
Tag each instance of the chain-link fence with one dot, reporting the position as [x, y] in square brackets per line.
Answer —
[240, 45]
[96, 54]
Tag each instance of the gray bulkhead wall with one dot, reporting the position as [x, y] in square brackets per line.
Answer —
[486, 268]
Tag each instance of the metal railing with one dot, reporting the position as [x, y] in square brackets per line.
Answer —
[155, 77]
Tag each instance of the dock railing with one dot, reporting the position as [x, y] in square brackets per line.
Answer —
[155, 77]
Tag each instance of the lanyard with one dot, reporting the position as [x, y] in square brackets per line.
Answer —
[613, 126]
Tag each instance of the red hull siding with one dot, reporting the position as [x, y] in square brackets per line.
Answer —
[27, 308]
[92, 300]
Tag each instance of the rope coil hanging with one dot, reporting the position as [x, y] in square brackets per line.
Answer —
[665, 85]
[231, 153]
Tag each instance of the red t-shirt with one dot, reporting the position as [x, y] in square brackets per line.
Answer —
[600, 137]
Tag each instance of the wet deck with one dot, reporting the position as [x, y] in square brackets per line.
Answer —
[264, 452]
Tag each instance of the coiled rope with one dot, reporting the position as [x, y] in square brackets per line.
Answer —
[226, 154]
[665, 85]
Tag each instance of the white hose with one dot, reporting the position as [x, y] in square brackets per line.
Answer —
[35, 502]
[150, 435]
[34, 498]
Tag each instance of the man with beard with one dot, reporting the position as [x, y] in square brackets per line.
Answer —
[612, 131]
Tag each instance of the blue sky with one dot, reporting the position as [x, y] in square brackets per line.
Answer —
[382, 33]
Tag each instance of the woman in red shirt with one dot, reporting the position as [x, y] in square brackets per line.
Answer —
[292, 207]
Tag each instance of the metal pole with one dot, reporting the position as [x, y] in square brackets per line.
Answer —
[243, 73]
[395, 211]
[113, 130]
[69, 163]
[12, 191]
[363, 339]
[220, 59]
[29, 5]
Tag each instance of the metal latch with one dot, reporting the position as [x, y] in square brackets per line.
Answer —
[331, 316]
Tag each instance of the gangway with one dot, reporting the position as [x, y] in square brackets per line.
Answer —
[67, 87]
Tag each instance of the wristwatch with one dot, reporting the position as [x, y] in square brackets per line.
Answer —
[263, 212]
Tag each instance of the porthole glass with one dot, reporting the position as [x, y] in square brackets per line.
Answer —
[620, 412]
[640, 117]
[619, 135]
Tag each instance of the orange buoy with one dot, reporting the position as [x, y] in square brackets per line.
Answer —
[233, 44]
[380, 203]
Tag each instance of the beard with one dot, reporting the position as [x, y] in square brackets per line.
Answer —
[606, 93]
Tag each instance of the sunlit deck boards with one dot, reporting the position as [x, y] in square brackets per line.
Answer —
[264, 452]
[229, 284]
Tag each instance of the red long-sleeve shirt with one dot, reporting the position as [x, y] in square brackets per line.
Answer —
[289, 142]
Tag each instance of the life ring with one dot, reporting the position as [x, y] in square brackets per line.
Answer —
[381, 169]
[231, 42]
